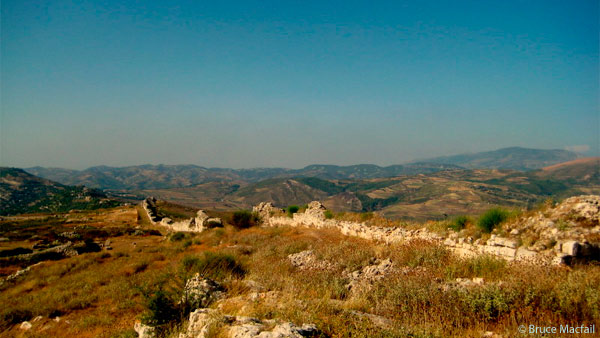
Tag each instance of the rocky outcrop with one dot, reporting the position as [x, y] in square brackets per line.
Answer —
[205, 322]
[200, 292]
[144, 331]
[563, 232]
[195, 224]
[202, 321]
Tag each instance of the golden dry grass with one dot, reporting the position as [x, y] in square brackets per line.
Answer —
[100, 294]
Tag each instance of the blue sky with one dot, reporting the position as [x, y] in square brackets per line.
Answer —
[281, 83]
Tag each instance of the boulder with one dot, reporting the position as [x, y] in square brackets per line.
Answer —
[25, 326]
[571, 248]
[200, 292]
[282, 330]
[200, 323]
[144, 331]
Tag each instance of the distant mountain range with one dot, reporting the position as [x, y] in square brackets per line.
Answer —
[21, 192]
[145, 177]
[177, 176]
[515, 158]
[436, 192]
[421, 196]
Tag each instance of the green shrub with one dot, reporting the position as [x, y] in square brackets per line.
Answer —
[217, 266]
[187, 243]
[292, 209]
[243, 219]
[162, 310]
[459, 223]
[328, 214]
[178, 236]
[491, 219]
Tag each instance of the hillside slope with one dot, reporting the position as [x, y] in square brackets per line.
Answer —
[21, 192]
[147, 177]
[515, 158]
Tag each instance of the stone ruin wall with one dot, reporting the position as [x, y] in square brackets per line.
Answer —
[195, 224]
[565, 251]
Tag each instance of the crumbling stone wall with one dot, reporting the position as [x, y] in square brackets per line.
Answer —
[195, 224]
[570, 245]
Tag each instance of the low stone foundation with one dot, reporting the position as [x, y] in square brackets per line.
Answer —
[565, 250]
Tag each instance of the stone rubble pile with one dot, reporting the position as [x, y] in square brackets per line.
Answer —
[365, 277]
[307, 260]
[204, 322]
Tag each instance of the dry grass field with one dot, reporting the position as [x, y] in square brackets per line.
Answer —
[102, 294]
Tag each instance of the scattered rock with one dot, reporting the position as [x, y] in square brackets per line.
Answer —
[369, 274]
[283, 330]
[202, 320]
[144, 331]
[25, 326]
[307, 260]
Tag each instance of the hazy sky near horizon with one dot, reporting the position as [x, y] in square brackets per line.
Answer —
[290, 83]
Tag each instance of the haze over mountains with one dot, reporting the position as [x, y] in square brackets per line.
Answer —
[177, 176]
[419, 190]
[515, 158]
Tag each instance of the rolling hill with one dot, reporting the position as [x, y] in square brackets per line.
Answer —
[515, 158]
[150, 177]
[145, 177]
[21, 192]
[422, 196]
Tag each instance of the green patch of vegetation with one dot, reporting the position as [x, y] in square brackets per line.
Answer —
[459, 223]
[323, 185]
[328, 214]
[292, 209]
[372, 204]
[178, 236]
[162, 311]
[243, 219]
[491, 219]
[366, 185]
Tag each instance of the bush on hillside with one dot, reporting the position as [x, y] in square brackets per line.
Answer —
[292, 209]
[459, 223]
[243, 219]
[178, 236]
[161, 312]
[491, 219]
